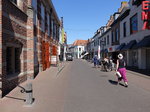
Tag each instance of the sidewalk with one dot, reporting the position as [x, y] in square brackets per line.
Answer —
[135, 78]
[14, 101]
[139, 71]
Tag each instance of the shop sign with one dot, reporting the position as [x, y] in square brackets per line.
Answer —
[146, 14]
[54, 59]
[110, 49]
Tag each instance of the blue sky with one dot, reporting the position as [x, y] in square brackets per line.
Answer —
[83, 17]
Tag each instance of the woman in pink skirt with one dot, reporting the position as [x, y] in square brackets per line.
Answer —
[121, 68]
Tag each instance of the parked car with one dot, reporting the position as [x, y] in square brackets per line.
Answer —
[69, 56]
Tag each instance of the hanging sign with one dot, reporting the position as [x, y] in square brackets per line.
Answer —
[146, 14]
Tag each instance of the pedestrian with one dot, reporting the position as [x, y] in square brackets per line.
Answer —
[95, 60]
[120, 67]
[111, 63]
[98, 62]
[106, 63]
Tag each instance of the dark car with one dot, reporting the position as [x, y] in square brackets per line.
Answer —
[69, 57]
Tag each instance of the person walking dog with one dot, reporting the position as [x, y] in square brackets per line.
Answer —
[120, 67]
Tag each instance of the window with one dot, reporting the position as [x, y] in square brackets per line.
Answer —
[107, 39]
[97, 42]
[39, 11]
[79, 49]
[42, 17]
[45, 20]
[34, 4]
[13, 63]
[116, 35]
[113, 36]
[124, 29]
[48, 23]
[17, 60]
[94, 43]
[9, 60]
[52, 28]
[134, 57]
[133, 24]
[57, 33]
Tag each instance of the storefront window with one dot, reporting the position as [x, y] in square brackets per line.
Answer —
[135, 58]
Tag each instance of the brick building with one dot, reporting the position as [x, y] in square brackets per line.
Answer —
[29, 36]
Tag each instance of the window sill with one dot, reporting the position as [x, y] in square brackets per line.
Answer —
[134, 33]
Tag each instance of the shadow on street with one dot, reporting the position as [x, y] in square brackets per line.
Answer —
[15, 98]
[113, 82]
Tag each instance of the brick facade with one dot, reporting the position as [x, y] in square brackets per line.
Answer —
[25, 49]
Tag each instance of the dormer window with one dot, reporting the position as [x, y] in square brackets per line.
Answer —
[116, 15]
[137, 2]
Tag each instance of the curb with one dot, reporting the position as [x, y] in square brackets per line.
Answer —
[138, 74]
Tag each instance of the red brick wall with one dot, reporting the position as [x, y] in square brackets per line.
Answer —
[43, 36]
[14, 21]
[17, 29]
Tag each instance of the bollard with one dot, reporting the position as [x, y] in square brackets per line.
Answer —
[29, 94]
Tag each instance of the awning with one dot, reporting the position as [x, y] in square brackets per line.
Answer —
[145, 42]
[120, 47]
[83, 52]
[86, 53]
[129, 45]
[104, 51]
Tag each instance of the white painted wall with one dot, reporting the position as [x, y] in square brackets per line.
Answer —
[138, 36]
[80, 50]
[107, 46]
[76, 52]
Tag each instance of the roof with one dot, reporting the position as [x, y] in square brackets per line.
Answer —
[80, 42]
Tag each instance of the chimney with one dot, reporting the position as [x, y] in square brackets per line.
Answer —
[123, 5]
